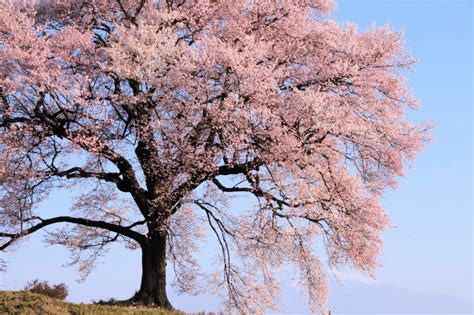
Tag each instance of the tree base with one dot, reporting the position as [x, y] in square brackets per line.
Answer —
[138, 301]
[150, 300]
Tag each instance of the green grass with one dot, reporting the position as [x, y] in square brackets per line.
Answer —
[23, 302]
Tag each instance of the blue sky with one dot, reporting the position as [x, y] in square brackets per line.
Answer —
[427, 256]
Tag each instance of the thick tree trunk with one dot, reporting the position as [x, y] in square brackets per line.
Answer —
[153, 284]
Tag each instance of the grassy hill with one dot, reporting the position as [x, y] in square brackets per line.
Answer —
[23, 302]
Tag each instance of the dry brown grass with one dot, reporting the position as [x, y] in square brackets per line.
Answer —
[23, 302]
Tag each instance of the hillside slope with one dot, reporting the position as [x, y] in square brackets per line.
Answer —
[23, 302]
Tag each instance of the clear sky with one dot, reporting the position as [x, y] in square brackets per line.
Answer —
[428, 255]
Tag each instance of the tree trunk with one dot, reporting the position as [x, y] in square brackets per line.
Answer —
[153, 284]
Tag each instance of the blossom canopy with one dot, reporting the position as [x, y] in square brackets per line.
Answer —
[155, 114]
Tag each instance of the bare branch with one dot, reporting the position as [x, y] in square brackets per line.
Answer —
[77, 172]
[123, 230]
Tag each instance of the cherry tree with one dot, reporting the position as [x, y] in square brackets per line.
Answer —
[156, 114]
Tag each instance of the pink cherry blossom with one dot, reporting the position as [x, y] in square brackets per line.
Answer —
[156, 114]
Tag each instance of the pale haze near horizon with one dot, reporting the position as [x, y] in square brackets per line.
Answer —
[427, 256]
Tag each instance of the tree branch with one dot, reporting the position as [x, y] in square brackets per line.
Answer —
[77, 172]
[123, 230]
[234, 169]
[7, 121]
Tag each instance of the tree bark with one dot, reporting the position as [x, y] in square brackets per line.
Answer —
[153, 283]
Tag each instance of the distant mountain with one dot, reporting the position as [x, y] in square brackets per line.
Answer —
[356, 297]
[374, 298]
